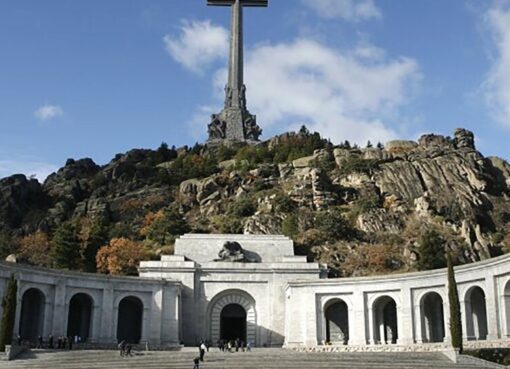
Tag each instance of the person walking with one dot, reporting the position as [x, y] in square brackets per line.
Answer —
[70, 342]
[128, 350]
[122, 347]
[196, 363]
[39, 342]
[50, 342]
[202, 351]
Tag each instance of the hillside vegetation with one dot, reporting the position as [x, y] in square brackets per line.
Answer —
[362, 211]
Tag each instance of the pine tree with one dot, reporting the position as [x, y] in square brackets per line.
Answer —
[9, 313]
[97, 237]
[453, 298]
[431, 251]
[65, 247]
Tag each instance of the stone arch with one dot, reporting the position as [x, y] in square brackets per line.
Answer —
[476, 314]
[130, 319]
[432, 317]
[233, 297]
[79, 317]
[506, 300]
[32, 314]
[336, 315]
[385, 320]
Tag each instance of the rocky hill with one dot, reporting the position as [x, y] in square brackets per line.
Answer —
[361, 210]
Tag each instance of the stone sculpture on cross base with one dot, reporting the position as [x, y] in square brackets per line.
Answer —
[235, 122]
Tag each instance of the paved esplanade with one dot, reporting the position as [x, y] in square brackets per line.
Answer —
[235, 123]
[257, 359]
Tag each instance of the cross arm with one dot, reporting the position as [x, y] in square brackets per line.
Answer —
[253, 3]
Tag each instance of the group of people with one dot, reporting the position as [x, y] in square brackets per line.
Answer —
[223, 345]
[230, 345]
[63, 342]
[125, 348]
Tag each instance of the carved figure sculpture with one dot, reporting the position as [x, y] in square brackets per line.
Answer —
[251, 130]
[231, 251]
[216, 128]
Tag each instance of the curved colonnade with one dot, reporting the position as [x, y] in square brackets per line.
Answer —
[98, 309]
[403, 309]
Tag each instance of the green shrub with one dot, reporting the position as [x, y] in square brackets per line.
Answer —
[282, 203]
[356, 164]
[290, 227]
[333, 225]
[243, 207]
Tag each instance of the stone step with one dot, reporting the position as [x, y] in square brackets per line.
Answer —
[258, 358]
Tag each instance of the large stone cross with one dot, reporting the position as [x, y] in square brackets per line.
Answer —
[235, 123]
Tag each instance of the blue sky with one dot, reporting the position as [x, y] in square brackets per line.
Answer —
[94, 78]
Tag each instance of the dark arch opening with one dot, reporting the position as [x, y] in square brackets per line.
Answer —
[32, 315]
[80, 316]
[432, 311]
[129, 320]
[476, 312]
[233, 322]
[337, 322]
[385, 327]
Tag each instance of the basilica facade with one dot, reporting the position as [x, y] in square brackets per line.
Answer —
[254, 288]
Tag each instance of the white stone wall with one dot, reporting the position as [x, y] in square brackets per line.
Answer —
[160, 318]
[205, 282]
[305, 319]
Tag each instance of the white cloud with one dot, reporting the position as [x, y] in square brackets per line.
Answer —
[48, 112]
[198, 44]
[340, 94]
[27, 166]
[497, 84]
[350, 10]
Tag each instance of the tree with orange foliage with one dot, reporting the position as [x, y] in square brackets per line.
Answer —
[35, 248]
[120, 257]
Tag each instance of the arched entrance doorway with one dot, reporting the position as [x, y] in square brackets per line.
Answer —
[233, 322]
[432, 318]
[80, 316]
[232, 313]
[385, 320]
[129, 320]
[337, 322]
[476, 314]
[32, 315]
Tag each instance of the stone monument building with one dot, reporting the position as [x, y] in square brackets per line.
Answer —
[252, 287]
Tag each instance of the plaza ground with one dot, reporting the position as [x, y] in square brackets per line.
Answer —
[258, 358]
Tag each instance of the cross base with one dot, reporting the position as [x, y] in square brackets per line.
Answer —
[234, 124]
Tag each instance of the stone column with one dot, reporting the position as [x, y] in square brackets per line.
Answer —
[156, 317]
[59, 313]
[95, 333]
[107, 321]
[418, 323]
[446, 319]
[491, 307]
[371, 326]
[464, 311]
[504, 300]
[357, 320]
[405, 318]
